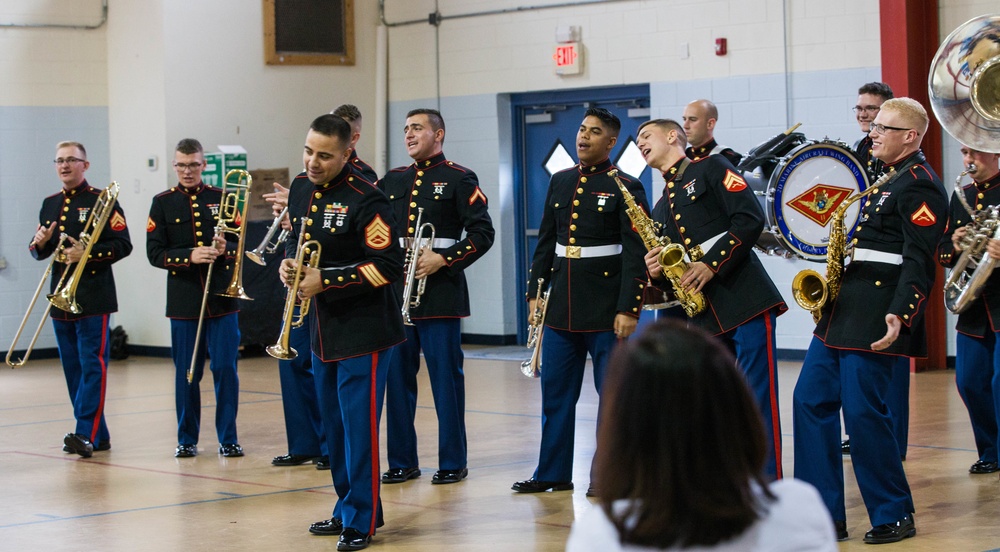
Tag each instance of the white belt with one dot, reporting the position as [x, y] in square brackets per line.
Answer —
[870, 255]
[706, 245]
[439, 243]
[581, 252]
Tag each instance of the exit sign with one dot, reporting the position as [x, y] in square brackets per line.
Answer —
[567, 57]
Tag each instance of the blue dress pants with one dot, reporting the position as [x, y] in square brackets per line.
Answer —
[350, 393]
[303, 426]
[977, 376]
[440, 340]
[858, 382]
[222, 342]
[84, 351]
[564, 358]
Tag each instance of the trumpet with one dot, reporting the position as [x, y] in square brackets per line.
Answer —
[282, 350]
[232, 219]
[57, 256]
[64, 297]
[411, 296]
[533, 366]
[266, 246]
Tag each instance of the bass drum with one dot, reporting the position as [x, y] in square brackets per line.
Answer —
[803, 191]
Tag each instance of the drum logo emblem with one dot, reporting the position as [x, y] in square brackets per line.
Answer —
[820, 202]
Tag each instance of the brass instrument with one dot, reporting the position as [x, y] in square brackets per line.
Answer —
[671, 257]
[962, 287]
[810, 289]
[964, 83]
[411, 296]
[266, 246]
[57, 256]
[533, 366]
[282, 350]
[64, 297]
[231, 219]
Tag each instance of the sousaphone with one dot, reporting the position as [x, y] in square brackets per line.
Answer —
[964, 83]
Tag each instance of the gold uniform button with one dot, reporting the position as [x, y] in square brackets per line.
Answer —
[309, 222]
[723, 252]
[62, 228]
[468, 247]
[981, 196]
[420, 173]
[579, 190]
[906, 317]
[314, 208]
[201, 243]
[677, 216]
[308, 237]
[317, 195]
[197, 224]
[670, 185]
[693, 198]
[354, 277]
[326, 282]
[413, 204]
[584, 180]
[858, 229]
[340, 278]
[556, 205]
[917, 295]
[979, 206]
[415, 192]
[911, 306]
[572, 240]
[198, 233]
[62, 217]
[732, 242]
[65, 209]
[639, 297]
[687, 241]
[576, 215]
[576, 202]
[392, 197]
[413, 217]
[877, 209]
[67, 201]
[682, 229]
[418, 182]
[878, 282]
[572, 227]
[409, 230]
[437, 197]
[194, 205]
[641, 286]
[605, 273]
[671, 196]
[332, 230]
[634, 309]
[449, 258]
[600, 208]
[197, 214]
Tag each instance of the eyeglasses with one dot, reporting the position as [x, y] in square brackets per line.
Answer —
[866, 109]
[880, 128]
[182, 167]
[67, 160]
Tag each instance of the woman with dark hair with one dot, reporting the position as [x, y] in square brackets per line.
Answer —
[680, 457]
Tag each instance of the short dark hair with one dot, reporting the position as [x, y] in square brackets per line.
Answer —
[666, 125]
[879, 89]
[433, 116]
[609, 119]
[189, 146]
[333, 126]
[348, 112]
[680, 441]
[72, 144]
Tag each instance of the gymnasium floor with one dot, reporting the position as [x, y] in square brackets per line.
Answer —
[139, 497]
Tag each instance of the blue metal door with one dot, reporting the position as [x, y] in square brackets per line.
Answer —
[545, 126]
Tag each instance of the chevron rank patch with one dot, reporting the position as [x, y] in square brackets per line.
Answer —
[923, 216]
[150, 225]
[377, 234]
[478, 194]
[371, 273]
[117, 222]
[734, 182]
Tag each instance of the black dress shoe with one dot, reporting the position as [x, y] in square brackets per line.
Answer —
[291, 459]
[231, 450]
[79, 444]
[327, 527]
[323, 463]
[352, 539]
[841, 528]
[399, 475]
[444, 477]
[892, 532]
[591, 491]
[535, 486]
[845, 446]
[984, 467]
[185, 451]
[106, 445]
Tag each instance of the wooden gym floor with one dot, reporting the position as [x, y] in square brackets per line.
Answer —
[139, 497]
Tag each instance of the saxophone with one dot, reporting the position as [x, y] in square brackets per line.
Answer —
[963, 288]
[811, 290]
[671, 257]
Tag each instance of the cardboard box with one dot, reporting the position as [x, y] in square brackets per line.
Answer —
[263, 183]
[218, 163]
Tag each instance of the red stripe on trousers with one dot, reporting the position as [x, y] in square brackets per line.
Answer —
[772, 378]
[373, 425]
[104, 380]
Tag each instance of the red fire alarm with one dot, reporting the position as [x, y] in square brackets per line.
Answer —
[720, 46]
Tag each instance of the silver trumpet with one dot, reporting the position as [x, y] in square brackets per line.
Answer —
[266, 246]
[533, 366]
[414, 288]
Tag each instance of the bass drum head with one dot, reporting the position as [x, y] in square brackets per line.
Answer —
[805, 190]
